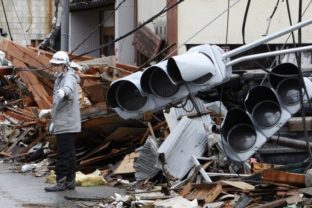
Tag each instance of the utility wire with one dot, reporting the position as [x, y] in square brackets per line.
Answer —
[132, 31]
[227, 23]
[19, 21]
[271, 17]
[6, 19]
[244, 21]
[303, 115]
[97, 27]
[31, 16]
[290, 22]
[299, 66]
[200, 30]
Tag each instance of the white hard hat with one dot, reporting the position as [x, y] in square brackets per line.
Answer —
[60, 57]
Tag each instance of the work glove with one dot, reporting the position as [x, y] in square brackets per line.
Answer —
[44, 113]
[60, 93]
[51, 128]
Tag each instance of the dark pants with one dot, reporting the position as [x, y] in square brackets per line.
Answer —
[66, 156]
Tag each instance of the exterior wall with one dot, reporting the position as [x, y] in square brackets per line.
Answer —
[124, 16]
[82, 23]
[194, 17]
[256, 24]
[28, 19]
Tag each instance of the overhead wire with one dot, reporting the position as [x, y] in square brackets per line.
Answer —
[302, 84]
[271, 17]
[269, 22]
[244, 20]
[6, 20]
[31, 16]
[227, 22]
[283, 46]
[132, 31]
[19, 21]
[201, 29]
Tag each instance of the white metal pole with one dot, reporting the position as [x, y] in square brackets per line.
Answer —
[265, 39]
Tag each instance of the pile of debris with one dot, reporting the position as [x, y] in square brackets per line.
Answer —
[171, 159]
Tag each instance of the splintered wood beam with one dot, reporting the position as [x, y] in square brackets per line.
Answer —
[34, 86]
[283, 177]
[24, 55]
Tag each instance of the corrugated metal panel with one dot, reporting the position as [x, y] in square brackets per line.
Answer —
[187, 138]
[144, 165]
[188, 109]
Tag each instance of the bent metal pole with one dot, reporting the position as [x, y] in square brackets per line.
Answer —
[268, 54]
[265, 39]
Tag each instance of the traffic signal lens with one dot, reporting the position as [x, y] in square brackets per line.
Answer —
[129, 97]
[266, 113]
[161, 85]
[288, 90]
[241, 137]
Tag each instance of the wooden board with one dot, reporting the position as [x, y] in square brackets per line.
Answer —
[239, 184]
[283, 177]
[126, 165]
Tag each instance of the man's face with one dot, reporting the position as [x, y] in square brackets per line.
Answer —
[58, 68]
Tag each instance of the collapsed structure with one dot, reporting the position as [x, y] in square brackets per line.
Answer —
[189, 138]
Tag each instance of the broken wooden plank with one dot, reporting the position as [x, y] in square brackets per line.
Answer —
[94, 151]
[276, 203]
[34, 86]
[206, 192]
[28, 57]
[238, 184]
[283, 177]
[126, 165]
[258, 167]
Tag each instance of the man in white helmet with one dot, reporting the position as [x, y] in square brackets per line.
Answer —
[65, 121]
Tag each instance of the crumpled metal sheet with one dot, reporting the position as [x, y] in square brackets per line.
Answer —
[188, 138]
[144, 165]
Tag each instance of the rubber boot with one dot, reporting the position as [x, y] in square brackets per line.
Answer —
[71, 181]
[59, 186]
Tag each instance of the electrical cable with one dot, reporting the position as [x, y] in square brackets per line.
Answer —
[19, 21]
[301, 96]
[227, 23]
[283, 46]
[31, 16]
[96, 28]
[290, 22]
[303, 113]
[132, 31]
[6, 20]
[302, 85]
[244, 21]
[201, 29]
[271, 17]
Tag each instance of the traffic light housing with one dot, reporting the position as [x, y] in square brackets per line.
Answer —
[267, 113]
[240, 139]
[168, 82]
[267, 109]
